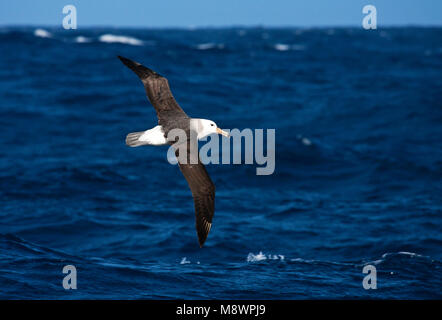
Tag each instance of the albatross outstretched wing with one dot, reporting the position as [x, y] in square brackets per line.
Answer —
[203, 191]
[170, 115]
[158, 92]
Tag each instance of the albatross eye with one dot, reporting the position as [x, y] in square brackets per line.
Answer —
[212, 124]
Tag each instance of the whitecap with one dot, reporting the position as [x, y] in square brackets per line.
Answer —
[256, 257]
[184, 261]
[306, 141]
[209, 45]
[302, 260]
[81, 39]
[42, 33]
[111, 38]
[287, 47]
[260, 257]
[282, 47]
[402, 253]
[375, 262]
[205, 46]
[412, 254]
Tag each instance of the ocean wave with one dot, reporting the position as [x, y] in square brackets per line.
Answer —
[210, 45]
[111, 38]
[403, 254]
[41, 33]
[395, 257]
[81, 39]
[75, 187]
[402, 261]
[282, 47]
[29, 250]
[288, 47]
[251, 258]
[305, 141]
[184, 260]
[261, 256]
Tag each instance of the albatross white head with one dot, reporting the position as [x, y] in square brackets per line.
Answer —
[206, 127]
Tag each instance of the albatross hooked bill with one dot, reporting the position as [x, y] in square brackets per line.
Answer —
[222, 132]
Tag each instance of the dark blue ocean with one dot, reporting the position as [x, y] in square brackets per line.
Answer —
[357, 181]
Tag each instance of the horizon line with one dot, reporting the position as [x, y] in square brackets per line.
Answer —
[227, 26]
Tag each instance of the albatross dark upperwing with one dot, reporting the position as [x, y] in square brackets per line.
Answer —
[203, 191]
[158, 92]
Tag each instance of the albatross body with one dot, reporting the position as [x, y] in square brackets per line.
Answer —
[171, 116]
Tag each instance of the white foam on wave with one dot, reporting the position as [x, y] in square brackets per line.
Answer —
[184, 261]
[260, 257]
[404, 253]
[81, 39]
[42, 33]
[375, 262]
[305, 141]
[282, 47]
[409, 253]
[389, 255]
[302, 260]
[111, 38]
[209, 45]
[287, 47]
[251, 257]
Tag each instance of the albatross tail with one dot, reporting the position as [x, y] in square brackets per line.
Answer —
[152, 137]
[133, 139]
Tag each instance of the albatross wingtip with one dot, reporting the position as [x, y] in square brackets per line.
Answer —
[201, 239]
[123, 58]
[127, 61]
[138, 68]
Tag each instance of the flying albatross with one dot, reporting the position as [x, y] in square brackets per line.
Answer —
[171, 116]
